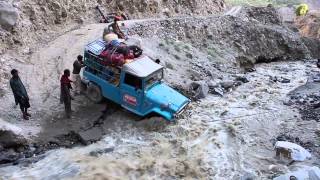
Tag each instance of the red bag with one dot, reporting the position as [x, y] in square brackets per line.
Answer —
[129, 56]
[112, 58]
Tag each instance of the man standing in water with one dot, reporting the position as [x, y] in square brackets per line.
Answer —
[65, 96]
[20, 93]
[77, 65]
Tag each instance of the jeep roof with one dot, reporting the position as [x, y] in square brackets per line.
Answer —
[141, 67]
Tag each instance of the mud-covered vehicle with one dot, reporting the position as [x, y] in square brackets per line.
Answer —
[137, 86]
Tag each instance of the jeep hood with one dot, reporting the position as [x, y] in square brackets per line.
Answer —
[164, 95]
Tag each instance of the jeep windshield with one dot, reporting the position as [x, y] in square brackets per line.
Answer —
[154, 78]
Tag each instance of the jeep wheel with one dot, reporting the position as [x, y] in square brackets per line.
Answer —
[94, 93]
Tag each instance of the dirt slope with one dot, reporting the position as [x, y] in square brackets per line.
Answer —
[309, 25]
[41, 20]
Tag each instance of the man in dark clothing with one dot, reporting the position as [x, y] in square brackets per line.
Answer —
[20, 93]
[65, 96]
[114, 27]
[77, 65]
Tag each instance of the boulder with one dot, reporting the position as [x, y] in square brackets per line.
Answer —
[8, 156]
[8, 15]
[199, 90]
[91, 135]
[10, 136]
[217, 91]
[101, 151]
[313, 45]
[246, 63]
[242, 79]
[227, 84]
[291, 151]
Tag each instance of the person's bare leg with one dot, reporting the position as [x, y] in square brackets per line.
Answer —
[24, 113]
[28, 114]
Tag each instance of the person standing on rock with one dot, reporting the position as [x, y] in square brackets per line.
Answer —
[20, 93]
[65, 96]
[77, 65]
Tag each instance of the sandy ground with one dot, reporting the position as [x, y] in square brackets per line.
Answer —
[41, 74]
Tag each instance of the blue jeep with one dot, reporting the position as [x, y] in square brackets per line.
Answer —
[137, 86]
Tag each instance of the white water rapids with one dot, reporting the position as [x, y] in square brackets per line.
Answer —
[223, 138]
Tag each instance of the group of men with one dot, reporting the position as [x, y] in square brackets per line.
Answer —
[66, 87]
[22, 99]
[21, 96]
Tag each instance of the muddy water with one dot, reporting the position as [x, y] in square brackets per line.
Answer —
[226, 137]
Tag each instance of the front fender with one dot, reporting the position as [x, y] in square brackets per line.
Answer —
[167, 115]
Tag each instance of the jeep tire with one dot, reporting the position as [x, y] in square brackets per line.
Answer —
[94, 93]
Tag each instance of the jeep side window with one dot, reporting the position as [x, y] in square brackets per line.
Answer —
[133, 81]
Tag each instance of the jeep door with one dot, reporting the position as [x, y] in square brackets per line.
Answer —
[131, 89]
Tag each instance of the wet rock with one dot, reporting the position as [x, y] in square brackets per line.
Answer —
[288, 102]
[215, 88]
[242, 79]
[199, 90]
[278, 168]
[100, 152]
[217, 91]
[29, 160]
[280, 79]
[291, 151]
[227, 84]
[91, 135]
[10, 136]
[284, 80]
[8, 156]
